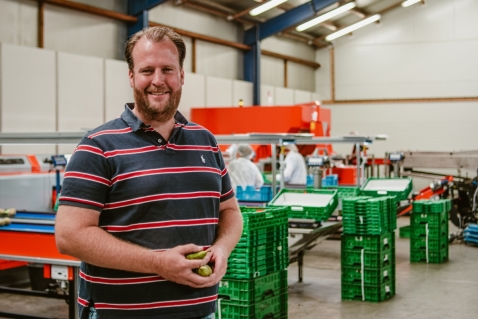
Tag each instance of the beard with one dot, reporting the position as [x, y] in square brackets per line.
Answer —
[162, 113]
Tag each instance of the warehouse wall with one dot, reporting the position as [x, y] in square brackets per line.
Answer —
[417, 52]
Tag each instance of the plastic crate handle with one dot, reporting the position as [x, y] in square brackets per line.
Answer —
[297, 208]
[267, 293]
[268, 316]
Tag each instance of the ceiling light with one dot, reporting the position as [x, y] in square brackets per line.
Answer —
[409, 3]
[266, 6]
[353, 27]
[326, 16]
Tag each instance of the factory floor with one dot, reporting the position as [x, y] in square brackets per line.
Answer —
[448, 290]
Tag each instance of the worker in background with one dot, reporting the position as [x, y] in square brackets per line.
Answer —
[242, 170]
[143, 191]
[295, 172]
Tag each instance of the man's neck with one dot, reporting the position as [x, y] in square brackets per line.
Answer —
[164, 128]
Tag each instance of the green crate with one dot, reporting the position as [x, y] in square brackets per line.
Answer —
[254, 290]
[250, 264]
[246, 271]
[405, 231]
[400, 188]
[268, 249]
[270, 234]
[274, 307]
[379, 259]
[317, 204]
[374, 293]
[371, 276]
[368, 215]
[260, 218]
[430, 218]
[434, 244]
[368, 242]
[434, 257]
[435, 232]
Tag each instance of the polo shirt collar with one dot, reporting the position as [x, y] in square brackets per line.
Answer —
[136, 124]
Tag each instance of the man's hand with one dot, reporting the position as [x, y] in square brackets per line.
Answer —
[173, 265]
[218, 259]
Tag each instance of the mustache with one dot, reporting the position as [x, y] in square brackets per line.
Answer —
[160, 90]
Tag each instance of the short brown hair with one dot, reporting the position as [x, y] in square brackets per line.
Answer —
[155, 34]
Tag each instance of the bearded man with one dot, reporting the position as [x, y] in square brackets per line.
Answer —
[142, 191]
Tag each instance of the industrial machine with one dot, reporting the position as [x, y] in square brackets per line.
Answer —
[305, 118]
[462, 190]
[30, 184]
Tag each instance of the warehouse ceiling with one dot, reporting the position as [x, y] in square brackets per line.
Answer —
[237, 11]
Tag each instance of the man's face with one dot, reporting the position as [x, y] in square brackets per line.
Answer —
[156, 79]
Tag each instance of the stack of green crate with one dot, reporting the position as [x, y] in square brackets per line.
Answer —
[368, 248]
[255, 283]
[261, 297]
[429, 231]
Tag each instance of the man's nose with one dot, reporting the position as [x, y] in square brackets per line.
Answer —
[158, 79]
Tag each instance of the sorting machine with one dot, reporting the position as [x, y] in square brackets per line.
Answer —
[460, 188]
[29, 184]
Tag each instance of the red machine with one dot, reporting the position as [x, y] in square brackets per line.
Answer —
[301, 118]
[435, 189]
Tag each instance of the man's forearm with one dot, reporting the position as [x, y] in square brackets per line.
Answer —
[95, 246]
[229, 229]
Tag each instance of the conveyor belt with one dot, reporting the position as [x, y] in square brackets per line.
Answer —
[28, 227]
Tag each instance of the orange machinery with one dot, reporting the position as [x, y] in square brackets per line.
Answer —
[300, 118]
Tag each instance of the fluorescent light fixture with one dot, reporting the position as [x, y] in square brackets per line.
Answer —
[353, 27]
[409, 3]
[326, 16]
[266, 6]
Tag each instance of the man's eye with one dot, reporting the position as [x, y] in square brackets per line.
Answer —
[146, 71]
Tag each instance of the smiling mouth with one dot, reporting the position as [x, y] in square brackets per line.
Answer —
[158, 93]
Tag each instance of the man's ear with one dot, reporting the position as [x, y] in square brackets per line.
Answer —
[131, 78]
[182, 76]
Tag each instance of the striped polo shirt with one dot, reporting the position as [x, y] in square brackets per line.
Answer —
[154, 193]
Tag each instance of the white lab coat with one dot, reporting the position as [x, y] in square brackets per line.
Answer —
[295, 171]
[244, 173]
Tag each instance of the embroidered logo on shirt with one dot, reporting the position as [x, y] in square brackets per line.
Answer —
[203, 160]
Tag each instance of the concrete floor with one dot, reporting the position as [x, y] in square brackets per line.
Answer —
[437, 291]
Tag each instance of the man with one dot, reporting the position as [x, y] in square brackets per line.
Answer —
[142, 191]
[243, 171]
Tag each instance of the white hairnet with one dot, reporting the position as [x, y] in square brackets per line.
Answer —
[244, 150]
[292, 147]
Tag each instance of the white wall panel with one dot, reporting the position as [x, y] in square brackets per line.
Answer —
[267, 95]
[300, 76]
[410, 126]
[218, 60]
[322, 75]
[301, 96]
[242, 90]
[193, 93]
[283, 96]
[288, 47]
[18, 22]
[466, 24]
[117, 88]
[272, 71]
[27, 93]
[218, 92]
[203, 23]
[80, 92]
[82, 33]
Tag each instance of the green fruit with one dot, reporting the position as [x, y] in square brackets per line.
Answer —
[205, 271]
[197, 255]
